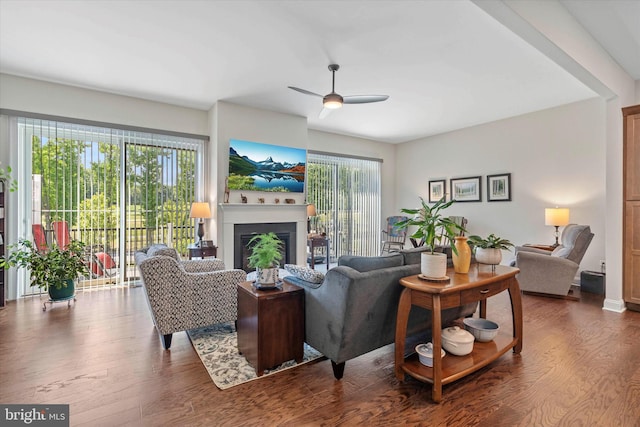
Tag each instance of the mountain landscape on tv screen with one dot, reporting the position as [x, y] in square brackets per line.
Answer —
[267, 173]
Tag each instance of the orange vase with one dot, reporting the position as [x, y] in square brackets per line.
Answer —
[462, 260]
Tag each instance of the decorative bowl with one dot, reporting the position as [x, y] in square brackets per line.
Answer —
[482, 329]
[457, 341]
[425, 353]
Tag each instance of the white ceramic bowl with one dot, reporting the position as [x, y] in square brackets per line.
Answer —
[457, 341]
[482, 329]
[425, 353]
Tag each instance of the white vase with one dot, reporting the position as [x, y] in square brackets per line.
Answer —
[266, 276]
[433, 266]
[490, 256]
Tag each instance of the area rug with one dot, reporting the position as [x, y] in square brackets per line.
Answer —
[217, 347]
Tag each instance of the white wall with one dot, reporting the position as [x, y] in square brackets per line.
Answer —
[36, 96]
[231, 121]
[555, 157]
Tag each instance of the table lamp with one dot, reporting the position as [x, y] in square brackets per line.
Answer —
[200, 210]
[556, 217]
[311, 211]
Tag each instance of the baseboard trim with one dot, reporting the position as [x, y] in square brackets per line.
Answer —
[617, 306]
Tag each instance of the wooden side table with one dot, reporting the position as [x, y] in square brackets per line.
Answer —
[478, 285]
[549, 248]
[270, 325]
[318, 242]
[202, 252]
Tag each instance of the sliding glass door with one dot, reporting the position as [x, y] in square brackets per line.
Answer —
[346, 194]
[115, 190]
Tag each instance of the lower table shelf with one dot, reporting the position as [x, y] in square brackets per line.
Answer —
[456, 367]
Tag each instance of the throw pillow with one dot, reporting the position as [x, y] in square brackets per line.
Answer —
[162, 250]
[305, 273]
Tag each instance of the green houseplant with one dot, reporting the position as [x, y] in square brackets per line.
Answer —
[488, 250]
[431, 226]
[53, 270]
[266, 252]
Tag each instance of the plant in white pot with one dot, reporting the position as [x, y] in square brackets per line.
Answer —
[489, 250]
[432, 226]
[266, 252]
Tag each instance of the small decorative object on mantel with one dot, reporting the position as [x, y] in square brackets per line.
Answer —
[226, 190]
[243, 198]
[290, 201]
[261, 200]
[277, 201]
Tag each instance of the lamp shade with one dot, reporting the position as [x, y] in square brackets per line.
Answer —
[556, 217]
[200, 210]
[311, 210]
[332, 101]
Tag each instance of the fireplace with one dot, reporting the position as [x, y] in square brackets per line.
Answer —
[242, 233]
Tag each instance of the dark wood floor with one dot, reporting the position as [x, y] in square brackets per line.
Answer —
[580, 366]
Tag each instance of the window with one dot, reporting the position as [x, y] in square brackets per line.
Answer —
[346, 193]
[115, 190]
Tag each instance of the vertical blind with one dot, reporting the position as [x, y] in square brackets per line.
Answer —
[346, 193]
[116, 190]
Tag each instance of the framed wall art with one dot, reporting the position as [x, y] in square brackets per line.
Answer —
[255, 166]
[499, 188]
[466, 189]
[437, 190]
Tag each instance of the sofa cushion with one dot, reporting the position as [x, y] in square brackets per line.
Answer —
[305, 273]
[155, 250]
[364, 263]
[412, 256]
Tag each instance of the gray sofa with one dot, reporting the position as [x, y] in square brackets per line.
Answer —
[353, 311]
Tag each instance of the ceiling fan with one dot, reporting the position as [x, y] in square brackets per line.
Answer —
[334, 100]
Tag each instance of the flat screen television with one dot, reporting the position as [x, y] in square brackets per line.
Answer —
[255, 166]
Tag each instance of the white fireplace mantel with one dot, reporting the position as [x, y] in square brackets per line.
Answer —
[249, 213]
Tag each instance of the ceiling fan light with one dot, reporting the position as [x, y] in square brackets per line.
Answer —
[332, 101]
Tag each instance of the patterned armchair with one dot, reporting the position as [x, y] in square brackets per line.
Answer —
[184, 295]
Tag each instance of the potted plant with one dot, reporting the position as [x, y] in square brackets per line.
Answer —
[488, 251]
[266, 252]
[5, 173]
[53, 270]
[432, 225]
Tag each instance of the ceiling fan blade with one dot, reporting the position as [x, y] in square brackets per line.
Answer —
[324, 113]
[306, 92]
[364, 99]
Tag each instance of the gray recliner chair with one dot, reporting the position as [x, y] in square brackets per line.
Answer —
[552, 273]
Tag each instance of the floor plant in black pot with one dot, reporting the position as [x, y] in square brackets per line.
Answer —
[53, 270]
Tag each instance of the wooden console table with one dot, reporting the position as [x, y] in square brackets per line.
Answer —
[478, 285]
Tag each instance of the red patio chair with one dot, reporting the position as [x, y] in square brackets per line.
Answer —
[61, 233]
[39, 238]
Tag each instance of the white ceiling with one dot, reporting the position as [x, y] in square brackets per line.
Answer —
[444, 64]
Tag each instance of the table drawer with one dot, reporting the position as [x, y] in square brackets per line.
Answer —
[483, 292]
